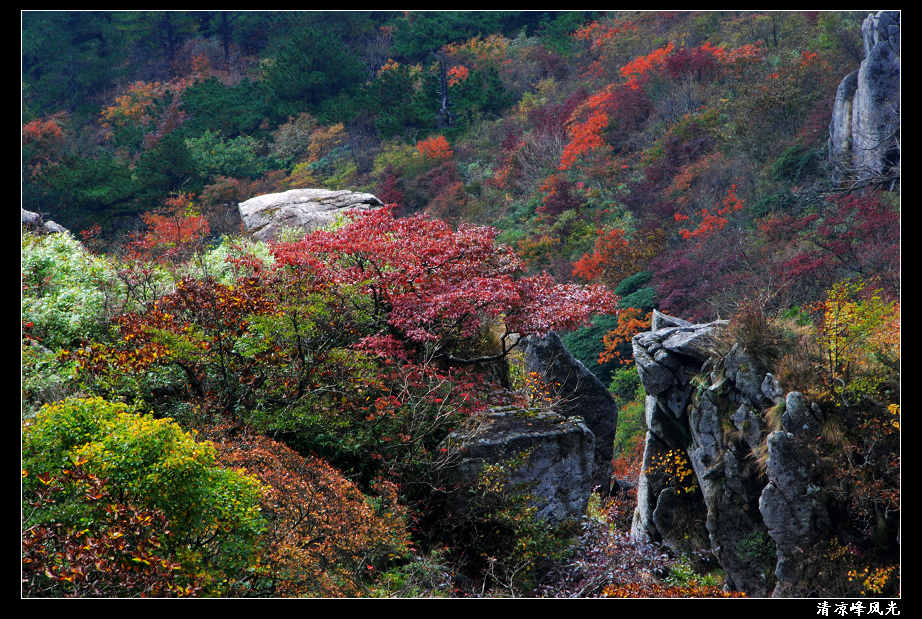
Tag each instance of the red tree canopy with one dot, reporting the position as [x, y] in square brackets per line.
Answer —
[432, 283]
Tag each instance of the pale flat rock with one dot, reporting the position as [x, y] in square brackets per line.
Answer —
[266, 215]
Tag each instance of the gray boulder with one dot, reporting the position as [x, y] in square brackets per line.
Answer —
[558, 474]
[581, 395]
[265, 216]
[35, 222]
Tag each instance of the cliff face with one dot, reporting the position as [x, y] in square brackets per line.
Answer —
[701, 490]
[864, 134]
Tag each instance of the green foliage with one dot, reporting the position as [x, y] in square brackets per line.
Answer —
[632, 426]
[213, 512]
[633, 283]
[758, 548]
[555, 32]
[426, 576]
[68, 58]
[231, 111]
[309, 67]
[505, 544]
[65, 296]
[217, 261]
[167, 168]
[625, 385]
[642, 298]
[683, 574]
[401, 102]
[90, 185]
[777, 202]
[236, 157]
[586, 343]
[45, 377]
[794, 164]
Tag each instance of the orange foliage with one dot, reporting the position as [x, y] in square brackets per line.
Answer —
[642, 65]
[170, 234]
[687, 176]
[324, 539]
[584, 137]
[711, 222]
[631, 321]
[41, 130]
[656, 590]
[599, 34]
[390, 65]
[135, 105]
[457, 74]
[436, 147]
[615, 257]
[325, 139]
[489, 50]
[44, 137]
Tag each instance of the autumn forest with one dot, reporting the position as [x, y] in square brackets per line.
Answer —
[208, 414]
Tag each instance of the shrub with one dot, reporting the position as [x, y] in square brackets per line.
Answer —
[325, 538]
[64, 290]
[633, 283]
[120, 554]
[212, 513]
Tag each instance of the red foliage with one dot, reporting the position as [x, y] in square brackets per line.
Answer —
[42, 140]
[615, 108]
[432, 283]
[599, 33]
[656, 590]
[41, 130]
[855, 234]
[558, 196]
[388, 191]
[642, 65]
[172, 234]
[701, 62]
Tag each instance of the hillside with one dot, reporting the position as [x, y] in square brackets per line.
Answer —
[575, 172]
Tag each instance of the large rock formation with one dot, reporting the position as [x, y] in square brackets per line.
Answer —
[709, 409]
[864, 133]
[267, 215]
[558, 473]
[580, 394]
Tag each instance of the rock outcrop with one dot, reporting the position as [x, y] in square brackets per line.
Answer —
[266, 216]
[36, 223]
[580, 394]
[709, 409]
[558, 473]
[791, 506]
[864, 133]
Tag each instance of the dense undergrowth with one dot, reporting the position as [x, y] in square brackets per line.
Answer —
[665, 160]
